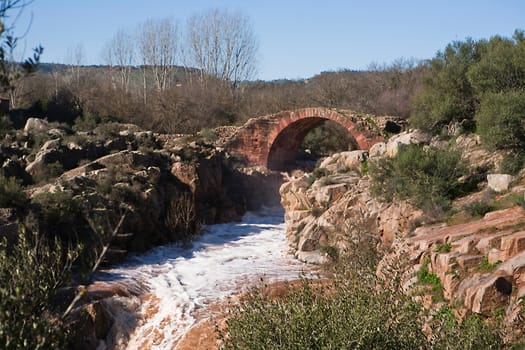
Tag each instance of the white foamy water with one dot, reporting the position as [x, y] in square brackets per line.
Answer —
[225, 259]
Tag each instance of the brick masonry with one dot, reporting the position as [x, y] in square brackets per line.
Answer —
[273, 140]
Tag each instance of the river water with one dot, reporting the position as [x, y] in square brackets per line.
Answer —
[183, 280]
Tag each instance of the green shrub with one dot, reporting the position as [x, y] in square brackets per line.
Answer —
[330, 251]
[486, 266]
[48, 172]
[59, 214]
[107, 130]
[57, 209]
[346, 314]
[317, 211]
[146, 142]
[5, 126]
[512, 163]
[86, 122]
[209, 135]
[32, 271]
[124, 193]
[79, 139]
[318, 173]
[479, 209]
[443, 248]
[12, 194]
[428, 178]
[356, 310]
[424, 276]
[364, 168]
[447, 95]
[471, 333]
[37, 140]
[501, 121]
[464, 74]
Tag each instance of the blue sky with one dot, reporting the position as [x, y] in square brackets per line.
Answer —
[297, 38]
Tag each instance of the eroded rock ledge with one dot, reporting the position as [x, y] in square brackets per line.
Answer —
[335, 209]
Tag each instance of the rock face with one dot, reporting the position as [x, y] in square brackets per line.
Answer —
[480, 263]
[334, 205]
[168, 193]
[337, 208]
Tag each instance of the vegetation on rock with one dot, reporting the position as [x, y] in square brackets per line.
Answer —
[427, 177]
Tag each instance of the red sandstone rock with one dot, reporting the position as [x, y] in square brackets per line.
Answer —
[512, 244]
[493, 238]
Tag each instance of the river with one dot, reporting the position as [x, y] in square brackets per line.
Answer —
[182, 281]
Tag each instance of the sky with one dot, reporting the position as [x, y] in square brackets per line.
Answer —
[297, 38]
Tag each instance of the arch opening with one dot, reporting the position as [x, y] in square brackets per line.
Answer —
[301, 143]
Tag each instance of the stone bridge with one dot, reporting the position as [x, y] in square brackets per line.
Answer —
[273, 140]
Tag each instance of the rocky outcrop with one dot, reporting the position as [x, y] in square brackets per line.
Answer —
[331, 211]
[108, 312]
[335, 210]
[333, 206]
[481, 263]
[166, 194]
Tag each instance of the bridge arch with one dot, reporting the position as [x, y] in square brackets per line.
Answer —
[273, 140]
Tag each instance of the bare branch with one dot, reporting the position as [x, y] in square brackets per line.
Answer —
[221, 45]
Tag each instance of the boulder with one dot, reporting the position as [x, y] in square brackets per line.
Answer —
[36, 125]
[485, 293]
[377, 150]
[312, 257]
[353, 159]
[480, 263]
[59, 132]
[343, 161]
[51, 145]
[406, 138]
[499, 182]
[36, 165]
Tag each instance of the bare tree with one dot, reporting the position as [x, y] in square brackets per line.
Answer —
[75, 57]
[331, 89]
[181, 215]
[221, 45]
[119, 52]
[158, 50]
